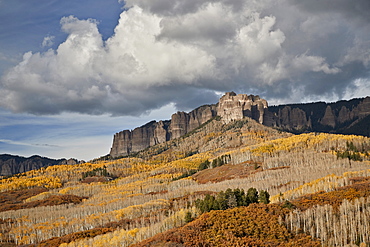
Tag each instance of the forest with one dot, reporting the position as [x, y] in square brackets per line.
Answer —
[236, 184]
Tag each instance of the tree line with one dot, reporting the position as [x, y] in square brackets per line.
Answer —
[231, 199]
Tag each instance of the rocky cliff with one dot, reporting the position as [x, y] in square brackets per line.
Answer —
[11, 164]
[346, 117]
[235, 107]
[352, 117]
[152, 133]
[230, 107]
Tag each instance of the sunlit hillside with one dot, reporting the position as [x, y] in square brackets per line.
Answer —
[316, 183]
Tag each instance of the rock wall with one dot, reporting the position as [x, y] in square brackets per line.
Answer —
[127, 141]
[296, 118]
[335, 117]
[230, 107]
[289, 118]
[11, 164]
[235, 107]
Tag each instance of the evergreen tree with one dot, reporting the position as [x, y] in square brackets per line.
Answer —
[264, 197]
[188, 217]
[222, 200]
[204, 165]
[252, 195]
[240, 197]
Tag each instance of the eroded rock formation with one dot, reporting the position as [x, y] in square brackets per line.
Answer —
[11, 164]
[235, 107]
[347, 117]
[127, 141]
[340, 117]
[230, 107]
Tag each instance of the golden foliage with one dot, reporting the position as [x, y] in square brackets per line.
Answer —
[144, 194]
[255, 225]
[22, 182]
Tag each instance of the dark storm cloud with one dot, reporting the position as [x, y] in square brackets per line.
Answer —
[352, 9]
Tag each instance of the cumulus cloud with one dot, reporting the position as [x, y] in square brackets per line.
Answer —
[48, 41]
[185, 52]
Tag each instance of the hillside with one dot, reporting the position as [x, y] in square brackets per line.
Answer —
[322, 215]
[121, 202]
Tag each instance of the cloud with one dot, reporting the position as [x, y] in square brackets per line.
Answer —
[48, 41]
[185, 52]
[357, 10]
[28, 144]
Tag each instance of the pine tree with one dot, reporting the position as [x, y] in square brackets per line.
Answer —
[252, 195]
[188, 217]
[264, 197]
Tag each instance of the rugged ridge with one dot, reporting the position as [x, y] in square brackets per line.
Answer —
[11, 164]
[230, 107]
[344, 117]
[152, 133]
[235, 107]
[347, 117]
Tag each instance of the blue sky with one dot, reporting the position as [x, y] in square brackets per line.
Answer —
[25, 24]
[72, 73]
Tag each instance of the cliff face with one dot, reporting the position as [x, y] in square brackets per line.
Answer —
[127, 141]
[339, 117]
[289, 118]
[230, 107]
[235, 107]
[10, 164]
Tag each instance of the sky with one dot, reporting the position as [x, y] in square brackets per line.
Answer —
[73, 73]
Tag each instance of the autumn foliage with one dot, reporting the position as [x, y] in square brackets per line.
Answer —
[255, 225]
[222, 171]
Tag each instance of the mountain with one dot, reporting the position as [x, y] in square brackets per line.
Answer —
[11, 164]
[343, 117]
[230, 107]
[231, 181]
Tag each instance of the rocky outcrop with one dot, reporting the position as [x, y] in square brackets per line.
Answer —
[290, 118]
[182, 122]
[339, 117]
[11, 164]
[235, 107]
[127, 141]
[333, 117]
[328, 118]
[230, 107]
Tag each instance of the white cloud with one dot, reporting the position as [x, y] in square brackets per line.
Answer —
[137, 58]
[359, 88]
[48, 41]
[303, 63]
[259, 41]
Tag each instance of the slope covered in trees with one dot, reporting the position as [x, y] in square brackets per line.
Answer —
[255, 225]
[129, 200]
[335, 218]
